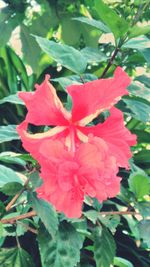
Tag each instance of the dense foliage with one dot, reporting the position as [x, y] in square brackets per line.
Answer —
[96, 36]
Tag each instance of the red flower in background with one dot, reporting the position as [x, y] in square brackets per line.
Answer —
[75, 159]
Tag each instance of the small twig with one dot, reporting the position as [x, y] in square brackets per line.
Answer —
[122, 40]
[119, 213]
[82, 80]
[17, 240]
[110, 62]
[10, 204]
[18, 204]
[14, 199]
[19, 217]
[139, 13]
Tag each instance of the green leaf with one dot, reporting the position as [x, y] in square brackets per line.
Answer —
[121, 262]
[118, 25]
[68, 105]
[28, 157]
[139, 108]
[67, 56]
[144, 208]
[7, 175]
[93, 55]
[1, 229]
[146, 54]
[142, 44]
[95, 23]
[31, 50]
[74, 79]
[11, 230]
[92, 215]
[66, 81]
[16, 257]
[137, 31]
[138, 43]
[2, 239]
[104, 247]
[8, 22]
[139, 184]
[62, 251]
[144, 229]
[12, 158]
[2, 208]
[144, 79]
[80, 226]
[8, 133]
[74, 32]
[46, 213]
[111, 221]
[14, 99]
[142, 136]
[19, 67]
[35, 180]
[139, 89]
[10, 71]
[45, 22]
[11, 188]
[96, 204]
[142, 157]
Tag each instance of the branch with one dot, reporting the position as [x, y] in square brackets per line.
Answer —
[119, 213]
[19, 217]
[82, 80]
[14, 199]
[33, 213]
[122, 40]
[140, 10]
[110, 62]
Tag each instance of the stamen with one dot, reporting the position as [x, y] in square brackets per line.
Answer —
[72, 138]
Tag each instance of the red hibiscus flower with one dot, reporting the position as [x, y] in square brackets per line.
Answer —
[76, 159]
[68, 176]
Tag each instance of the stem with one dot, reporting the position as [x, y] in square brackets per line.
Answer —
[10, 204]
[33, 213]
[110, 61]
[17, 240]
[123, 39]
[29, 228]
[19, 217]
[81, 78]
[119, 213]
[139, 13]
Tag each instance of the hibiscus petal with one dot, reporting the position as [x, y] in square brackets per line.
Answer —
[99, 169]
[67, 174]
[91, 98]
[44, 107]
[54, 151]
[113, 187]
[92, 155]
[118, 137]
[34, 143]
[67, 200]
[92, 171]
